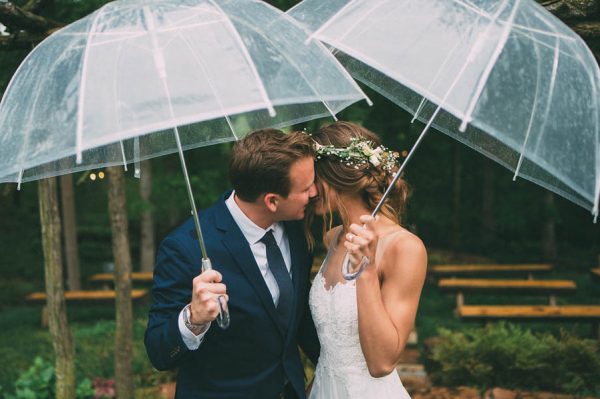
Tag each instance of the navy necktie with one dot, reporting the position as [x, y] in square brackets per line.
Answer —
[282, 277]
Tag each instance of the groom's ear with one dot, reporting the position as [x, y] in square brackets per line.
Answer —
[271, 201]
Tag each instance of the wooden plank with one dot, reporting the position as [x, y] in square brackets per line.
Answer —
[529, 312]
[533, 286]
[490, 268]
[98, 295]
[109, 277]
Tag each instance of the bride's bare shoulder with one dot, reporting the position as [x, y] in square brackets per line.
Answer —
[406, 248]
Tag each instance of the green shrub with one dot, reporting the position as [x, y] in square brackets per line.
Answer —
[95, 352]
[508, 356]
[38, 381]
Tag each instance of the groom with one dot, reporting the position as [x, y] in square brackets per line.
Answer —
[254, 238]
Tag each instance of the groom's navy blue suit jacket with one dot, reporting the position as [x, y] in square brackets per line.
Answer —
[256, 355]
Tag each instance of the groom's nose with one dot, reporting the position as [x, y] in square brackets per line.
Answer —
[313, 192]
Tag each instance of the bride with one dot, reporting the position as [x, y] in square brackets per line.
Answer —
[363, 325]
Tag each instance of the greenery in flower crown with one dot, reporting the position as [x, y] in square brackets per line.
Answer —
[360, 153]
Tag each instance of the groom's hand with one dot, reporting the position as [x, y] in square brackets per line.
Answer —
[207, 287]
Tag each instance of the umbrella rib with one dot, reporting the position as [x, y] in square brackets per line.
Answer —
[249, 59]
[434, 81]
[115, 93]
[306, 80]
[78, 131]
[136, 157]
[534, 110]
[474, 8]
[362, 18]
[488, 69]
[329, 21]
[550, 95]
[208, 80]
[19, 177]
[123, 155]
[325, 52]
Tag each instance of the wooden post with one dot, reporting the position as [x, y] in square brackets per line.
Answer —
[70, 232]
[146, 219]
[62, 340]
[122, 257]
[552, 300]
[460, 299]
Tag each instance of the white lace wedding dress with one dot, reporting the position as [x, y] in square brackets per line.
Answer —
[342, 369]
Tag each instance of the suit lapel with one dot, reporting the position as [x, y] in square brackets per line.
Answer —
[238, 247]
[297, 254]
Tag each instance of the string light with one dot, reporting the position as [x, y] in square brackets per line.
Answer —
[92, 176]
[101, 175]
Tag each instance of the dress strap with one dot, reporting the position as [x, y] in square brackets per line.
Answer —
[332, 245]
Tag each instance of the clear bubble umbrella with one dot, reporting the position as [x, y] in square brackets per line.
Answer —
[506, 78]
[142, 78]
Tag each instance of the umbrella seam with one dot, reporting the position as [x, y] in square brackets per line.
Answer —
[79, 125]
[249, 59]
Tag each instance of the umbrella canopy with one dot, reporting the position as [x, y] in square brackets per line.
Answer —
[506, 78]
[108, 88]
[143, 78]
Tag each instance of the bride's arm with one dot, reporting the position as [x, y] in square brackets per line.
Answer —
[386, 311]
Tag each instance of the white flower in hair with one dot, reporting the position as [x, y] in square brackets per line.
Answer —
[360, 152]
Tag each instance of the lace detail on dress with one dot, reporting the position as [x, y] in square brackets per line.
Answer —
[342, 369]
[335, 314]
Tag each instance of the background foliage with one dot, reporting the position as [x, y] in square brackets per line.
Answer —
[508, 356]
[450, 221]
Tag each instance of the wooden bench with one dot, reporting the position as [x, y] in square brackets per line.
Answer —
[532, 312]
[81, 296]
[475, 269]
[142, 277]
[547, 287]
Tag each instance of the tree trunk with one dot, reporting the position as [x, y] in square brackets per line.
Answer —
[549, 227]
[70, 232]
[456, 189]
[122, 257]
[62, 340]
[488, 222]
[147, 219]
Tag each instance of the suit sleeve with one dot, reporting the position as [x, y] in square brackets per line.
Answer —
[173, 275]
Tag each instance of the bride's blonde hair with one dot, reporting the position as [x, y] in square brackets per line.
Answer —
[367, 181]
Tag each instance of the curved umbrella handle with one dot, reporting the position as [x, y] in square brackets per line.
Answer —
[223, 317]
[348, 275]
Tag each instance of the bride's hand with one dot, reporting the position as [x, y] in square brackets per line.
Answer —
[361, 241]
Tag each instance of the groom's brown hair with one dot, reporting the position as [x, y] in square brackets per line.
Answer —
[260, 162]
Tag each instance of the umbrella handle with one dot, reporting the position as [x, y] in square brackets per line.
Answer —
[348, 275]
[223, 318]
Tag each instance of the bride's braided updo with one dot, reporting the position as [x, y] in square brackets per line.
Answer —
[348, 175]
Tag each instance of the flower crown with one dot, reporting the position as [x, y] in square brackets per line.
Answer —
[360, 153]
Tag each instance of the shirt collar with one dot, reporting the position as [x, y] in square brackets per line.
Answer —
[250, 230]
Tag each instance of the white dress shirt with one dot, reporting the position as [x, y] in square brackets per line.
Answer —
[253, 235]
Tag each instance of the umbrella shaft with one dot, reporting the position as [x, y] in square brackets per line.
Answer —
[401, 168]
[190, 195]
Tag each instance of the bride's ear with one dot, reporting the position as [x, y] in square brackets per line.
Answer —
[271, 201]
